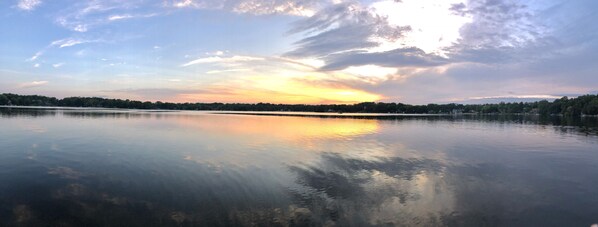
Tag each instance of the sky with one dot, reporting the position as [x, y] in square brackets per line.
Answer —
[300, 51]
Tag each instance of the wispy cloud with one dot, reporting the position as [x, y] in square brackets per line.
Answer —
[119, 17]
[130, 16]
[68, 42]
[28, 5]
[227, 71]
[217, 59]
[86, 15]
[62, 43]
[184, 3]
[353, 45]
[340, 28]
[33, 84]
[35, 56]
[256, 7]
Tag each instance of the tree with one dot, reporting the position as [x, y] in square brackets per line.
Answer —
[586, 104]
[591, 108]
[3, 100]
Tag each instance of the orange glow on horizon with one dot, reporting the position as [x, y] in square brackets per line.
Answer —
[280, 91]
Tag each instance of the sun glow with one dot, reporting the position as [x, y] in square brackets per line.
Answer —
[279, 91]
[433, 25]
[253, 79]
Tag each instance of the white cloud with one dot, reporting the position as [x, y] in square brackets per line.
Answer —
[305, 8]
[36, 65]
[184, 3]
[28, 5]
[130, 16]
[227, 70]
[68, 42]
[119, 17]
[84, 15]
[35, 56]
[217, 59]
[433, 25]
[58, 65]
[33, 84]
[371, 70]
[259, 7]
[217, 53]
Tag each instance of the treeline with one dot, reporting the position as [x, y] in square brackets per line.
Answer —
[582, 105]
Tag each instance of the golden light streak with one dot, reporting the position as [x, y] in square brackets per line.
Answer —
[280, 90]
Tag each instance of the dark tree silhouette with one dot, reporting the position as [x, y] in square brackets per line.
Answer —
[582, 105]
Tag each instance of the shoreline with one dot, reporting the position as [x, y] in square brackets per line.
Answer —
[283, 113]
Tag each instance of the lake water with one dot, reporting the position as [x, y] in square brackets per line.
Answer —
[133, 168]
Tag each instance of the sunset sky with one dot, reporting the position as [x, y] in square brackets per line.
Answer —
[302, 51]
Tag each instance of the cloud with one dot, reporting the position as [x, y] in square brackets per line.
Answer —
[36, 65]
[28, 5]
[402, 57]
[184, 3]
[68, 42]
[217, 59]
[35, 56]
[227, 71]
[85, 15]
[256, 7]
[58, 65]
[498, 47]
[498, 23]
[498, 32]
[459, 9]
[61, 43]
[33, 84]
[342, 27]
[244, 78]
[259, 7]
[348, 34]
[119, 17]
[130, 16]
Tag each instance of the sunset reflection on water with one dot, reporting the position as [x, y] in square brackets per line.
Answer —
[194, 168]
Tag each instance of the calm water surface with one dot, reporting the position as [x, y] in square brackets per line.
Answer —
[130, 168]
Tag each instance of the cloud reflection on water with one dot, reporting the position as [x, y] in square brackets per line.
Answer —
[186, 169]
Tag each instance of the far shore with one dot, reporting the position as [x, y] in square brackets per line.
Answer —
[279, 113]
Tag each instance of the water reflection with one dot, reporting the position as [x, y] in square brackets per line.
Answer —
[98, 168]
[346, 192]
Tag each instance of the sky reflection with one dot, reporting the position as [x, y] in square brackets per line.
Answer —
[188, 169]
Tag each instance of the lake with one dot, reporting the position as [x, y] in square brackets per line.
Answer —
[85, 167]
